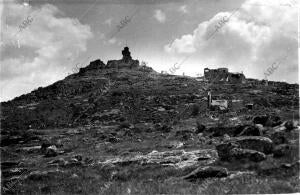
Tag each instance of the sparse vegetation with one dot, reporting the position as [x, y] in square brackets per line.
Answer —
[142, 135]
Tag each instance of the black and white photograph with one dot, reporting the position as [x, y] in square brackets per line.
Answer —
[149, 97]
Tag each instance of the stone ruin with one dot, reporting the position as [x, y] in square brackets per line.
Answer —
[125, 62]
[222, 75]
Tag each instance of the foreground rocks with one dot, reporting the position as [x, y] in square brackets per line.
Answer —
[175, 158]
[206, 172]
[251, 148]
[232, 151]
[258, 143]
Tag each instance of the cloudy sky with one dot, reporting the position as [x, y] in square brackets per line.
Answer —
[244, 35]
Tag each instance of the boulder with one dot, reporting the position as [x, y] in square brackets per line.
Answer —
[232, 151]
[224, 150]
[246, 154]
[206, 172]
[51, 151]
[251, 130]
[259, 143]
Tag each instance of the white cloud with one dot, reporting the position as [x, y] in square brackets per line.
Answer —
[252, 39]
[51, 41]
[108, 22]
[160, 16]
[112, 41]
[183, 9]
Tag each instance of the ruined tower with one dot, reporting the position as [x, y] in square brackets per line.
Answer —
[126, 55]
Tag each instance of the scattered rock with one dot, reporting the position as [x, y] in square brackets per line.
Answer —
[259, 143]
[279, 137]
[73, 131]
[251, 130]
[226, 137]
[270, 121]
[281, 150]
[73, 162]
[163, 128]
[200, 128]
[74, 175]
[59, 162]
[273, 121]
[224, 150]
[221, 130]
[51, 151]
[260, 120]
[206, 172]
[184, 134]
[260, 127]
[31, 149]
[113, 139]
[78, 157]
[176, 158]
[88, 160]
[247, 148]
[45, 145]
[246, 154]
[289, 125]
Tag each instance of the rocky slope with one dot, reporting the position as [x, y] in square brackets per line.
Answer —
[133, 130]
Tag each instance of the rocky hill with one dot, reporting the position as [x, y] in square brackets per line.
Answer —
[122, 126]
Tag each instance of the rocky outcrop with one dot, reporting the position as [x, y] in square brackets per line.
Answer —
[251, 148]
[175, 158]
[259, 143]
[206, 172]
[246, 154]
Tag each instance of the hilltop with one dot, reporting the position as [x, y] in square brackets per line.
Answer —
[120, 128]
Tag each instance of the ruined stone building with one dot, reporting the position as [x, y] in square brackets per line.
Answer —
[223, 75]
[125, 62]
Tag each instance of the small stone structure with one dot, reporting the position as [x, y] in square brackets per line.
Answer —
[94, 65]
[125, 62]
[222, 75]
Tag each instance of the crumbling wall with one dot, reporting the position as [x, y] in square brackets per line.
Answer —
[222, 75]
